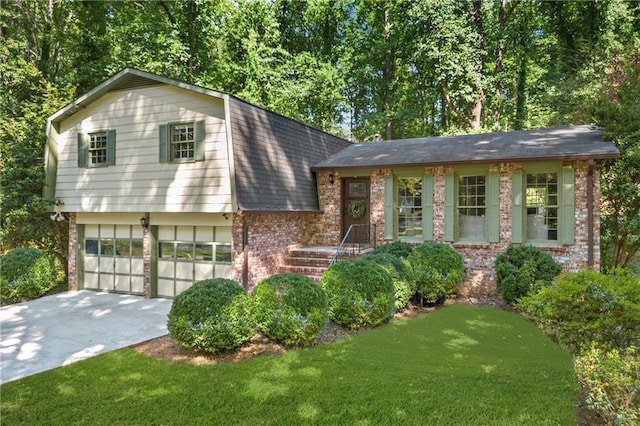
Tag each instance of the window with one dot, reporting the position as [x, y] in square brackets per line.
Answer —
[472, 208]
[410, 207]
[97, 149]
[182, 142]
[471, 205]
[541, 201]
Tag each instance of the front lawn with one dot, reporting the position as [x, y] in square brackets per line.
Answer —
[458, 365]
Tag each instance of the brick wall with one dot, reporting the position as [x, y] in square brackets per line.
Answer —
[268, 237]
[479, 258]
[72, 275]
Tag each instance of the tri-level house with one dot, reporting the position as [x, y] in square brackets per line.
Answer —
[166, 183]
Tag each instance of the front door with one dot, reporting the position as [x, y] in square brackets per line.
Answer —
[355, 209]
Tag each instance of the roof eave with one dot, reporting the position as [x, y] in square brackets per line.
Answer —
[567, 157]
[106, 86]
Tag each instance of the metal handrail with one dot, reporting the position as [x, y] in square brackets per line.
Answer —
[336, 252]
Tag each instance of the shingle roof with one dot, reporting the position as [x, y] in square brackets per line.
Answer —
[273, 156]
[568, 143]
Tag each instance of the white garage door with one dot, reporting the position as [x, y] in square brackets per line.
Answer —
[113, 258]
[187, 254]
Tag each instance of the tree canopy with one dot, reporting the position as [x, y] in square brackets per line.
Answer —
[355, 68]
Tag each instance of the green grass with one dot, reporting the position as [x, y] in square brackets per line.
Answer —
[458, 365]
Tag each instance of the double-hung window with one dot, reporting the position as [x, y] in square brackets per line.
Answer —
[471, 205]
[541, 201]
[182, 142]
[543, 204]
[410, 207]
[472, 208]
[97, 149]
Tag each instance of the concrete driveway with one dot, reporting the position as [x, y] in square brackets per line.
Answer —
[57, 330]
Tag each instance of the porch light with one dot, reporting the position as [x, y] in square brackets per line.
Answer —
[57, 215]
[331, 179]
[144, 223]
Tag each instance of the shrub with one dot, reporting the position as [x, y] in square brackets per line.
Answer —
[27, 273]
[359, 293]
[398, 269]
[437, 270]
[521, 270]
[398, 249]
[588, 306]
[611, 379]
[211, 316]
[289, 308]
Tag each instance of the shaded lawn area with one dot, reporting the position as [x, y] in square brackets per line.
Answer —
[458, 365]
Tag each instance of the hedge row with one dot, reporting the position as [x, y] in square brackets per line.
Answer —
[216, 315]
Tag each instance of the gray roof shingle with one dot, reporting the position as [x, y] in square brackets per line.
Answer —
[273, 156]
[568, 143]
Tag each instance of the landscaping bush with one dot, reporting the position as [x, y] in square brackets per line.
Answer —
[27, 273]
[521, 270]
[611, 379]
[211, 316]
[398, 268]
[437, 270]
[359, 292]
[588, 306]
[398, 249]
[289, 308]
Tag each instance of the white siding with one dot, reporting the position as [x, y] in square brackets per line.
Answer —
[138, 182]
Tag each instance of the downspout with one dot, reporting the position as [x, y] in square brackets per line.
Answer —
[590, 216]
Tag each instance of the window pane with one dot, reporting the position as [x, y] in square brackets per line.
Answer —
[223, 253]
[358, 189]
[106, 247]
[166, 251]
[182, 141]
[410, 207]
[91, 247]
[137, 248]
[204, 252]
[123, 248]
[184, 251]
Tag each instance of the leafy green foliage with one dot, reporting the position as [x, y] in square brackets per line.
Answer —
[360, 293]
[27, 273]
[289, 308]
[521, 270]
[398, 269]
[399, 249]
[611, 379]
[437, 270]
[211, 316]
[588, 306]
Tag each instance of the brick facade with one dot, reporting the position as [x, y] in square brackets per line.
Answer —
[268, 235]
[479, 257]
[72, 275]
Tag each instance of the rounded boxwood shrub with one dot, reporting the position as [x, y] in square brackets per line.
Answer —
[398, 268]
[521, 270]
[27, 273]
[437, 270]
[359, 292]
[212, 315]
[398, 249]
[289, 308]
[588, 306]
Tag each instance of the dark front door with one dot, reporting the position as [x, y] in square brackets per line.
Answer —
[356, 209]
